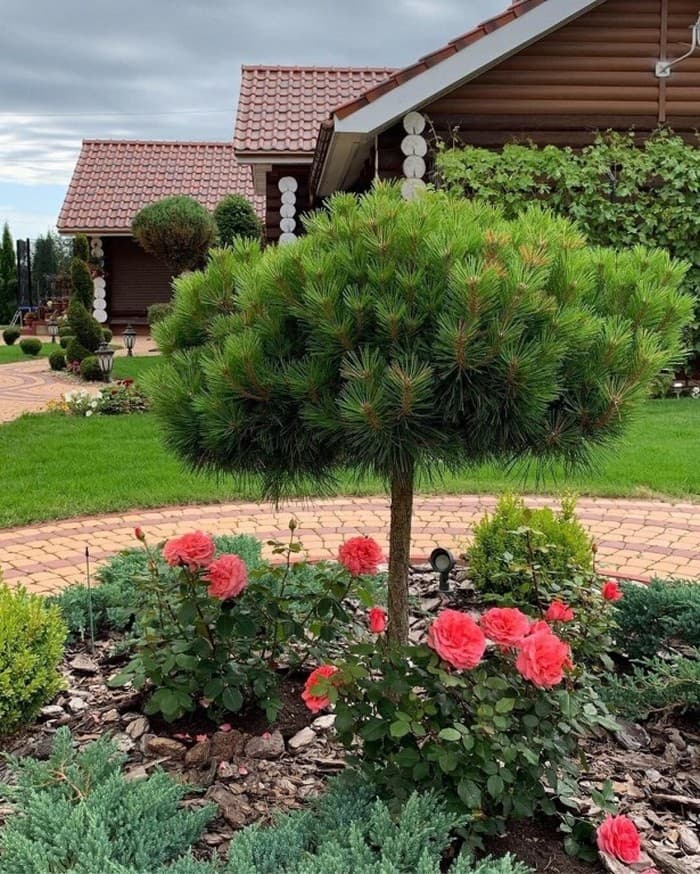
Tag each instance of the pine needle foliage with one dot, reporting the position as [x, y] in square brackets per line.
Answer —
[402, 335]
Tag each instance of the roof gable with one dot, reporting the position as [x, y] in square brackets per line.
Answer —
[113, 180]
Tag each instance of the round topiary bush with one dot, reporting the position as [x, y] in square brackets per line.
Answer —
[75, 351]
[90, 369]
[107, 334]
[157, 312]
[57, 360]
[30, 345]
[65, 340]
[31, 646]
[235, 217]
[11, 335]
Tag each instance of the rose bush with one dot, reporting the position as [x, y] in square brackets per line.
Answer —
[491, 727]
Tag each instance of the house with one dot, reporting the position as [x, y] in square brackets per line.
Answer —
[550, 71]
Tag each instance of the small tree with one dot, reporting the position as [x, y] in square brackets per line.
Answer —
[8, 276]
[397, 336]
[82, 288]
[81, 247]
[83, 327]
[235, 217]
[178, 230]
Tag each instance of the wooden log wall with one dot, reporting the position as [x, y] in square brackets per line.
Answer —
[273, 217]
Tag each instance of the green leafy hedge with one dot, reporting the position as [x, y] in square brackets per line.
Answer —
[621, 193]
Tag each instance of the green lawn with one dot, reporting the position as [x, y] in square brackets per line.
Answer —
[133, 368]
[55, 466]
[10, 354]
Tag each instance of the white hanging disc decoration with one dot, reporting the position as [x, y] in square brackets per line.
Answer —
[414, 123]
[100, 316]
[288, 183]
[289, 197]
[411, 188]
[288, 225]
[99, 283]
[286, 239]
[413, 144]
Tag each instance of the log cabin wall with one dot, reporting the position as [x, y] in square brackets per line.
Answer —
[273, 216]
[596, 73]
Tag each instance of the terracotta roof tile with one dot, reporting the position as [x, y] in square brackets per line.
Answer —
[281, 108]
[113, 180]
[398, 77]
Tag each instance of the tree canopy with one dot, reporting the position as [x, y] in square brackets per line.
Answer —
[235, 217]
[398, 335]
[177, 230]
[8, 276]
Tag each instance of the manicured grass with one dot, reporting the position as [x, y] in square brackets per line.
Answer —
[10, 354]
[55, 466]
[133, 368]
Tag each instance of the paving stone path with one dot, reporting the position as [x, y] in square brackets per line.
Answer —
[637, 539]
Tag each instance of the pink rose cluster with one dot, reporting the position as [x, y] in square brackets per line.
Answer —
[226, 575]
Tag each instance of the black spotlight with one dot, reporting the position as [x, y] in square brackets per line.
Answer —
[442, 561]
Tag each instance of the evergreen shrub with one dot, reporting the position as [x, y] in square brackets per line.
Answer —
[654, 618]
[75, 351]
[11, 335]
[508, 543]
[107, 335]
[83, 289]
[30, 345]
[65, 339]
[83, 326]
[90, 369]
[57, 360]
[81, 247]
[32, 634]
[156, 312]
[236, 217]
[178, 230]
[656, 686]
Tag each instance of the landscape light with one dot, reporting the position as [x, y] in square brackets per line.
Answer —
[104, 356]
[442, 561]
[129, 338]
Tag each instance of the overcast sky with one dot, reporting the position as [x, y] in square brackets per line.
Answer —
[169, 69]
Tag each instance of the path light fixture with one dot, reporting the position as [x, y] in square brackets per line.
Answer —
[129, 338]
[663, 68]
[104, 356]
[52, 326]
[442, 561]
[677, 388]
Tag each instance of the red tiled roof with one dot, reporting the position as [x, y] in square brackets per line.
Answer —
[398, 77]
[281, 108]
[113, 180]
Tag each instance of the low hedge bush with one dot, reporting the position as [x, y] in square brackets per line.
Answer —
[658, 616]
[509, 543]
[57, 360]
[90, 369]
[107, 335]
[656, 686]
[32, 634]
[74, 350]
[30, 345]
[65, 340]
[11, 335]
[157, 312]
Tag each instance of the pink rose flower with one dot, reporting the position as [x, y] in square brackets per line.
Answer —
[505, 626]
[193, 551]
[313, 700]
[361, 555]
[559, 612]
[611, 591]
[618, 836]
[542, 659]
[457, 639]
[377, 620]
[227, 577]
[540, 625]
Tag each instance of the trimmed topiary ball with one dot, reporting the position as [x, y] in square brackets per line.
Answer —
[235, 217]
[84, 327]
[30, 345]
[31, 646]
[11, 335]
[107, 335]
[57, 360]
[65, 340]
[75, 351]
[90, 369]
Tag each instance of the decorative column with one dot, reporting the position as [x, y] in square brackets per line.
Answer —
[414, 148]
[288, 187]
[99, 305]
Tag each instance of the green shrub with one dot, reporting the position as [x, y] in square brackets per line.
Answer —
[65, 340]
[82, 287]
[86, 329]
[57, 360]
[90, 369]
[65, 330]
[656, 686]
[76, 813]
[11, 335]
[31, 345]
[157, 312]
[508, 543]
[75, 351]
[81, 247]
[107, 335]
[121, 398]
[178, 230]
[236, 217]
[658, 616]
[31, 647]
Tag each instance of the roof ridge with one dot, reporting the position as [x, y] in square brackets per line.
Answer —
[97, 140]
[311, 68]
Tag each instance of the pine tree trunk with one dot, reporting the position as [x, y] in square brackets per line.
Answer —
[400, 553]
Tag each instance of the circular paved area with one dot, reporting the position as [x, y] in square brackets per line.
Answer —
[635, 538]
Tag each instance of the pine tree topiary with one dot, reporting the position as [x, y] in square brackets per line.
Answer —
[81, 282]
[83, 327]
[235, 217]
[397, 336]
[75, 351]
[177, 230]
[81, 247]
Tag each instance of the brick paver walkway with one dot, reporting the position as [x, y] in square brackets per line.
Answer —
[635, 538]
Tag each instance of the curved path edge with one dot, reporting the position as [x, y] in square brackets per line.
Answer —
[635, 538]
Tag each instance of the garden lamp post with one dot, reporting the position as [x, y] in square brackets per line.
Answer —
[104, 356]
[129, 338]
[52, 326]
[442, 561]
[678, 387]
